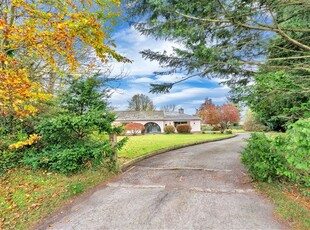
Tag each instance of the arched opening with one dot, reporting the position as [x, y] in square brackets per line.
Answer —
[152, 127]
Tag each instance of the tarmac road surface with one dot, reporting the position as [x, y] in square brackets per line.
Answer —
[198, 187]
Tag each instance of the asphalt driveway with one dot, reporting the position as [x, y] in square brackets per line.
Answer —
[198, 187]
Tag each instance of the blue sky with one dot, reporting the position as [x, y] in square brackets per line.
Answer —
[139, 74]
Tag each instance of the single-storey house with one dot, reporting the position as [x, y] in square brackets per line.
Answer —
[155, 121]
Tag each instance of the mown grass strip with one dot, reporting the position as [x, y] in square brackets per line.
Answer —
[141, 145]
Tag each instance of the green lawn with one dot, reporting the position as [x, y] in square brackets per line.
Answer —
[141, 145]
[238, 130]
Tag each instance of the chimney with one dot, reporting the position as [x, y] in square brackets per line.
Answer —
[181, 111]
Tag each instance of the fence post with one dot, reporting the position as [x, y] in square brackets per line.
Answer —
[113, 142]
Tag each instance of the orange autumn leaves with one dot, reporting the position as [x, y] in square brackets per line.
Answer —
[60, 30]
[50, 33]
[19, 96]
[223, 114]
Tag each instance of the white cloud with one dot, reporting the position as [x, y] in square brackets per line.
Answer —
[142, 80]
[191, 94]
[170, 78]
[130, 43]
[120, 99]
[198, 101]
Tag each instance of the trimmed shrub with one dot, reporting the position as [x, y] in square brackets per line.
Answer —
[134, 128]
[184, 128]
[169, 129]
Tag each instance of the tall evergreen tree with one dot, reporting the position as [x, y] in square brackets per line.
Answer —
[224, 38]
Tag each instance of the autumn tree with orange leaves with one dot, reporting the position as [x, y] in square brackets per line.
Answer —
[38, 38]
[221, 116]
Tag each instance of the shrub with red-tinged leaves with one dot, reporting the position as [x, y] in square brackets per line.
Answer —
[169, 129]
[184, 128]
[134, 128]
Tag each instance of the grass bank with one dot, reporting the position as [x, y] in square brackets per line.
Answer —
[27, 196]
[292, 204]
[142, 145]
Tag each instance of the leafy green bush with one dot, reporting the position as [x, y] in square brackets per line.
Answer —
[284, 157]
[228, 131]
[70, 159]
[261, 163]
[169, 129]
[184, 128]
[9, 159]
[298, 152]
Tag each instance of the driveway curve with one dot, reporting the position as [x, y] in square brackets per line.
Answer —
[198, 187]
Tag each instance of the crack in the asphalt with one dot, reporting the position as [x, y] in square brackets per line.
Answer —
[158, 205]
[186, 168]
[214, 191]
[195, 189]
[116, 185]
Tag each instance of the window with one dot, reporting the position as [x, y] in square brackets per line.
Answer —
[180, 123]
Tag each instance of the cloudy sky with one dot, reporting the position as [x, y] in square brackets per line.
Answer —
[139, 74]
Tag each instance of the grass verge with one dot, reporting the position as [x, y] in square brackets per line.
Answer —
[142, 145]
[27, 196]
[291, 204]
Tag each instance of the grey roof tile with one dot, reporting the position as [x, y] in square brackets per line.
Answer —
[152, 115]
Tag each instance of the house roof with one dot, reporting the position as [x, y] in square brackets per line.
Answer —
[175, 116]
[139, 115]
[153, 116]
